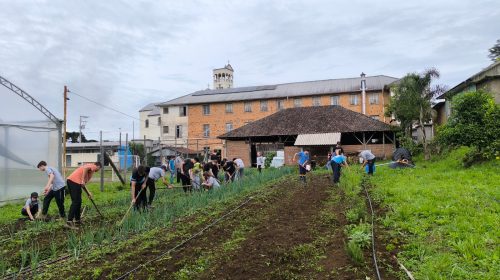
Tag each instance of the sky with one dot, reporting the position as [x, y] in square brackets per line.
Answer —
[126, 54]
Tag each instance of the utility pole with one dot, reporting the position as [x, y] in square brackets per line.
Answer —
[65, 122]
[82, 126]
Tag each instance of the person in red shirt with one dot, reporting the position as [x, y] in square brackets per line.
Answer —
[76, 182]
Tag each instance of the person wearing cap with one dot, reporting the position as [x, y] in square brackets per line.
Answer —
[53, 189]
[31, 207]
[368, 159]
[155, 173]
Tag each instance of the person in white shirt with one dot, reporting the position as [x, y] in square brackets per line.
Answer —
[240, 166]
[210, 182]
[260, 162]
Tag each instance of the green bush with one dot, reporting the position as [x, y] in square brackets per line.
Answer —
[474, 122]
[269, 158]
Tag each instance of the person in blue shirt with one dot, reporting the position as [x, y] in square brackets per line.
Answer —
[338, 160]
[303, 160]
[171, 167]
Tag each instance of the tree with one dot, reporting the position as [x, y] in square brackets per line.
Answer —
[411, 102]
[73, 136]
[495, 51]
[474, 121]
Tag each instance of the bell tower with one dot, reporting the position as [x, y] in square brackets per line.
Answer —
[223, 77]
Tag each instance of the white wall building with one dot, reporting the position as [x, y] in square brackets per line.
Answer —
[81, 153]
[150, 124]
[174, 125]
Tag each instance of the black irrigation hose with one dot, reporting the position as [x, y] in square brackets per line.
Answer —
[373, 234]
[185, 241]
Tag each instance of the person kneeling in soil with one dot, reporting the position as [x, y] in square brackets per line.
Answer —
[210, 182]
[30, 208]
[53, 189]
[76, 182]
[138, 187]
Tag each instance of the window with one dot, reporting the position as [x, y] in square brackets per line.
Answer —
[146, 123]
[335, 100]
[206, 109]
[280, 104]
[178, 131]
[297, 102]
[229, 127]
[316, 101]
[183, 111]
[165, 129]
[229, 107]
[165, 110]
[248, 106]
[206, 130]
[159, 121]
[263, 106]
[354, 99]
[375, 117]
[374, 98]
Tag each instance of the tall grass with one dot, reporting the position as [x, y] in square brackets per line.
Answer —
[445, 218]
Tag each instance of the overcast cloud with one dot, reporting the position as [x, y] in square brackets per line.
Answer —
[127, 54]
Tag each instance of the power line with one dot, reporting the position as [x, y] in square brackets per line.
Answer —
[104, 106]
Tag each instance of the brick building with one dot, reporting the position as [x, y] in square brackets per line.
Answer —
[318, 129]
[213, 112]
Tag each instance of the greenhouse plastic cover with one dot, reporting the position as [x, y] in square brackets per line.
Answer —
[26, 137]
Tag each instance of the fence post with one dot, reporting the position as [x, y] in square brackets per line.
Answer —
[102, 161]
[126, 158]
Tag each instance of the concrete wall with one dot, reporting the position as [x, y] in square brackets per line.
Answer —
[172, 119]
[78, 158]
[153, 129]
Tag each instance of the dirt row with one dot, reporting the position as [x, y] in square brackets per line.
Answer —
[290, 231]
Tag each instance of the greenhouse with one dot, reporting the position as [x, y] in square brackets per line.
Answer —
[29, 133]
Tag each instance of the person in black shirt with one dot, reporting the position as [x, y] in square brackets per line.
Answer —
[229, 168]
[186, 167]
[138, 183]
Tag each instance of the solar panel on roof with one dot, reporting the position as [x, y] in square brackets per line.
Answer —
[234, 90]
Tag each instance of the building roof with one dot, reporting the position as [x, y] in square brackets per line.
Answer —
[308, 120]
[92, 144]
[490, 72]
[155, 111]
[148, 107]
[318, 139]
[296, 89]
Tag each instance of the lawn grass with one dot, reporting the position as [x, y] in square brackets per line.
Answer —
[443, 218]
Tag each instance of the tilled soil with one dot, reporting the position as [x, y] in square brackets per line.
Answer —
[276, 222]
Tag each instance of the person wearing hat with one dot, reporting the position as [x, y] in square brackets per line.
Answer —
[31, 206]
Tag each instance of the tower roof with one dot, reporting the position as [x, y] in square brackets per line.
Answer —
[229, 67]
